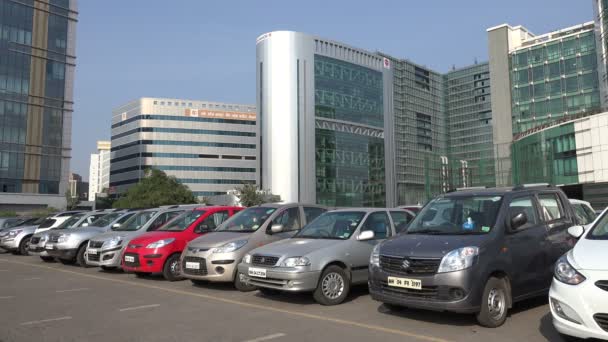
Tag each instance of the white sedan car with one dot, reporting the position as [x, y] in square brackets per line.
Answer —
[579, 294]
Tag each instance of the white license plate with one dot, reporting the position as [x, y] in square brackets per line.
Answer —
[405, 283]
[92, 252]
[129, 258]
[193, 265]
[50, 247]
[257, 272]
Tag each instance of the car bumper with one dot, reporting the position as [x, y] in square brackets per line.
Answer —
[10, 244]
[211, 266]
[38, 250]
[281, 279]
[585, 300]
[453, 291]
[58, 251]
[150, 261]
[110, 257]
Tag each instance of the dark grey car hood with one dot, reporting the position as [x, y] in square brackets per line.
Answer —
[430, 246]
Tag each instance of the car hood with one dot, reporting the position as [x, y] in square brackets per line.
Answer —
[84, 232]
[124, 235]
[296, 247]
[216, 239]
[590, 254]
[25, 229]
[429, 246]
[150, 237]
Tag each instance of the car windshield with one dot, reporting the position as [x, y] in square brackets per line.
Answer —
[105, 220]
[47, 223]
[339, 225]
[247, 221]
[183, 221]
[70, 222]
[458, 215]
[137, 221]
[600, 229]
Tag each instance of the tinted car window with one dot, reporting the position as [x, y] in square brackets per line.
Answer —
[600, 229]
[289, 219]
[379, 223]
[312, 213]
[47, 223]
[339, 225]
[248, 220]
[401, 219]
[524, 205]
[551, 208]
[582, 217]
[212, 221]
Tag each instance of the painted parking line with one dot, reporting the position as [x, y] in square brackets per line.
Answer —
[140, 307]
[65, 318]
[370, 327]
[267, 337]
[73, 290]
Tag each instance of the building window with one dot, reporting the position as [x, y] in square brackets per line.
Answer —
[422, 78]
[424, 131]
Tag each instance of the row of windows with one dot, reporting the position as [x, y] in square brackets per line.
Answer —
[183, 168]
[183, 131]
[554, 70]
[193, 181]
[207, 193]
[204, 105]
[182, 118]
[568, 85]
[554, 50]
[182, 143]
[177, 155]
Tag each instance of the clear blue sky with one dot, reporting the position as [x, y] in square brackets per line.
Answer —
[202, 49]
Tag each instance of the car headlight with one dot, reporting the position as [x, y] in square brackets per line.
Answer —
[43, 238]
[63, 238]
[374, 258]
[458, 259]
[160, 243]
[567, 274]
[295, 261]
[230, 246]
[113, 242]
[14, 233]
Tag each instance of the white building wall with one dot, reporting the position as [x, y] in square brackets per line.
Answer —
[592, 148]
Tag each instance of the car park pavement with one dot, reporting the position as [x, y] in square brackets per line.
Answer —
[54, 302]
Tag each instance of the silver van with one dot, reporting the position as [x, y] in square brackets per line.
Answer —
[215, 256]
[326, 257]
[105, 250]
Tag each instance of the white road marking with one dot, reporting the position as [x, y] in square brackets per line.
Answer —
[35, 278]
[6, 297]
[73, 290]
[47, 320]
[267, 337]
[140, 307]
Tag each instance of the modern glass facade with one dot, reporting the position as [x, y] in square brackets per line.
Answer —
[349, 167]
[36, 74]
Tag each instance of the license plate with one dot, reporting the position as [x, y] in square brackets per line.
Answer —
[92, 252]
[405, 283]
[257, 272]
[49, 247]
[129, 258]
[193, 265]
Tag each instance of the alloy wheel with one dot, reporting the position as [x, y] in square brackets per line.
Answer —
[333, 285]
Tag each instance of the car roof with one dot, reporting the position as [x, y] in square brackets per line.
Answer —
[366, 210]
[577, 201]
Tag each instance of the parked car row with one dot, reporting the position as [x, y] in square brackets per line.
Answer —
[475, 251]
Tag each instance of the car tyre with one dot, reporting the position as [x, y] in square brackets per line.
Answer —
[47, 258]
[494, 303]
[24, 245]
[269, 292]
[80, 259]
[333, 287]
[171, 269]
[242, 286]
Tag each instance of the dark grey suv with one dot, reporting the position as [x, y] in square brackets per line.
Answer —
[475, 251]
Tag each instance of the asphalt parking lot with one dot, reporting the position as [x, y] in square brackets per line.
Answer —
[53, 302]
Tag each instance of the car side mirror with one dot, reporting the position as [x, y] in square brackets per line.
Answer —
[518, 221]
[85, 224]
[576, 231]
[116, 225]
[276, 228]
[366, 235]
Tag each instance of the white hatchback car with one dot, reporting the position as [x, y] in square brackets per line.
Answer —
[579, 294]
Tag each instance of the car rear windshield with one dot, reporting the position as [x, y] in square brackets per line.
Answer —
[248, 220]
[600, 229]
[105, 220]
[183, 221]
[137, 221]
[70, 222]
[457, 215]
[339, 225]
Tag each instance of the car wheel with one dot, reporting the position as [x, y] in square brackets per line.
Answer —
[171, 268]
[108, 268]
[198, 282]
[66, 261]
[269, 292]
[242, 286]
[141, 274]
[24, 246]
[333, 286]
[47, 258]
[80, 259]
[494, 303]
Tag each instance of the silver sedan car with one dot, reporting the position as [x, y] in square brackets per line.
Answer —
[326, 257]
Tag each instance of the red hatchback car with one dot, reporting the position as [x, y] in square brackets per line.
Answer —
[159, 251]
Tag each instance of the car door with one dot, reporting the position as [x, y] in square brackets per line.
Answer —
[527, 247]
[558, 219]
[378, 222]
[290, 219]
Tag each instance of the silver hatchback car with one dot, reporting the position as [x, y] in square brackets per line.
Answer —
[326, 257]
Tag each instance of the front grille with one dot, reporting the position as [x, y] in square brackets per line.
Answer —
[34, 240]
[417, 266]
[54, 238]
[264, 260]
[95, 244]
[197, 250]
[200, 272]
[602, 320]
[427, 292]
[93, 257]
[134, 263]
[602, 284]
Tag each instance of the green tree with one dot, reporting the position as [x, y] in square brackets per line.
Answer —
[71, 202]
[154, 190]
[249, 195]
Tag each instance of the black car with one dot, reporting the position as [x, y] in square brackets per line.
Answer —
[475, 251]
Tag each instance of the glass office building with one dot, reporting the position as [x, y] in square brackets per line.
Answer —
[37, 61]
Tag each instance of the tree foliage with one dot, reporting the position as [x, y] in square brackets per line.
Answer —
[249, 195]
[154, 190]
